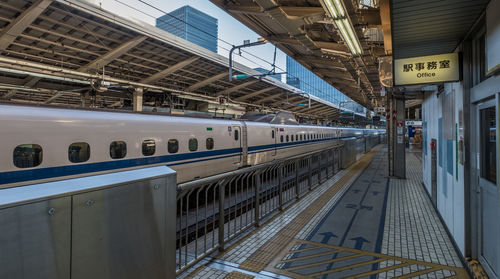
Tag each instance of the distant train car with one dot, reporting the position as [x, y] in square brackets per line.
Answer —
[42, 144]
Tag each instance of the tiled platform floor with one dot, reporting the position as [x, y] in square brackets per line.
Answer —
[358, 224]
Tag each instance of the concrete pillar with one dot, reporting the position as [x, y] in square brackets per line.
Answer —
[137, 99]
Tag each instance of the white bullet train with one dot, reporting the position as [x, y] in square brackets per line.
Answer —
[40, 144]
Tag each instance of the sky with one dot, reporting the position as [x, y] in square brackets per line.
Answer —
[230, 30]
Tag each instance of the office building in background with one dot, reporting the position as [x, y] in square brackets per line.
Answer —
[300, 77]
[192, 25]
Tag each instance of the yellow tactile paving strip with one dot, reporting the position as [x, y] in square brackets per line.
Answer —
[238, 275]
[310, 270]
[268, 252]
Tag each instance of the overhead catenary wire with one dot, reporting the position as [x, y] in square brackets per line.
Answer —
[221, 40]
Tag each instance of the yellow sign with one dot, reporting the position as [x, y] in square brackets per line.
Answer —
[427, 69]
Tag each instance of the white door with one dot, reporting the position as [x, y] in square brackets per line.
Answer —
[237, 143]
[488, 192]
[274, 135]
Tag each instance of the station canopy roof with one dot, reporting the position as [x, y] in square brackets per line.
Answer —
[428, 27]
[52, 51]
[309, 32]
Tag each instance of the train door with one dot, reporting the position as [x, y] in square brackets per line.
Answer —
[488, 192]
[274, 136]
[237, 144]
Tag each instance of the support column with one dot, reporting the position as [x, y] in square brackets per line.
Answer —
[137, 99]
[399, 144]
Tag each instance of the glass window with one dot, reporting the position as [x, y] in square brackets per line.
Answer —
[281, 138]
[117, 149]
[488, 145]
[148, 147]
[296, 137]
[272, 134]
[210, 143]
[287, 138]
[173, 146]
[291, 138]
[300, 136]
[28, 155]
[236, 134]
[193, 144]
[79, 152]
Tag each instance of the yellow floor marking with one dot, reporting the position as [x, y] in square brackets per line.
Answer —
[308, 257]
[238, 275]
[277, 266]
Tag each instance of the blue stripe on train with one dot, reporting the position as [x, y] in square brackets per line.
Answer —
[170, 160]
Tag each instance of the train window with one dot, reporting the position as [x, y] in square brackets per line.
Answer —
[287, 138]
[210, 143]
[193, 144]
[300, 136]
[28, 155]
[272, 134]
[296, 137]
[291, 138]
[79, 152]
[173, 146]
[148, 147]
[281, 138]
[236, 135]
[117, 149]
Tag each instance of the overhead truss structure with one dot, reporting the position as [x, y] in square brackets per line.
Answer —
[60, 52]
[305, 31]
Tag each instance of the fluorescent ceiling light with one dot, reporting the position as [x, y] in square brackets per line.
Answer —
[339, 15]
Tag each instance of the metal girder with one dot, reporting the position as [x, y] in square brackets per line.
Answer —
[283, 39]
[237, 87]
[385, 16]
[333, 47]
[343, 75]
[291, 99]
[16, 27]
[302, 11]
[268, 98]
[9, 94]
[161, 74]
[253, 94]
[243, 9]
[319, 60]
[49, 100]
[113, 54]
[292, 26]
[206, 82]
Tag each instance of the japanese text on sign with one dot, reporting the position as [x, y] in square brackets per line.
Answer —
[427, 69]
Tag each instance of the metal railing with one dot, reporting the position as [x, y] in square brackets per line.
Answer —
[214, 210]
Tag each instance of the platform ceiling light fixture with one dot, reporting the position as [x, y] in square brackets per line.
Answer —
[337, 11]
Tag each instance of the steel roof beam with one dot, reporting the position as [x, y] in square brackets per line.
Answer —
[237, 87]
[16, 27]
[9, 94]
[268, 98]
[49, 100]
[113, 54]
[253, 94]
[205, 82]
[161, 74]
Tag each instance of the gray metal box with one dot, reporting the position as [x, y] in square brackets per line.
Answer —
[103, 226]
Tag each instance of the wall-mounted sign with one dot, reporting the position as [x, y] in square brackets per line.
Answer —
[413, 123]
[427, 69]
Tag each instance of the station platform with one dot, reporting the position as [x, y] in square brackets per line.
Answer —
[358, 224]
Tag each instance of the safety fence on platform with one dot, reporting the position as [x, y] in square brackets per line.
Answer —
[248, 196]
[214, 210]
